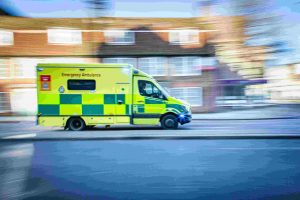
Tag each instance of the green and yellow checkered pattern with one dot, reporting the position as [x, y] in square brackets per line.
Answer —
[83, 104]
[158, 106]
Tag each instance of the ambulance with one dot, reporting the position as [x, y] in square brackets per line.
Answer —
[79, 96]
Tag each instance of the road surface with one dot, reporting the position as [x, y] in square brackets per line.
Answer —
[151, 169]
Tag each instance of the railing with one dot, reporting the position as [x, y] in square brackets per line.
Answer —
[239, 101]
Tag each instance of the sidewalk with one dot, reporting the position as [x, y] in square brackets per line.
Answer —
[11, 119]
[271, 112]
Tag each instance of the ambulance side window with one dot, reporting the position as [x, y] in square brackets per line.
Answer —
[81, 84]
[148, 89]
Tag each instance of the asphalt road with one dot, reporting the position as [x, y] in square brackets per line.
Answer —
[198, 128]
[151, 169]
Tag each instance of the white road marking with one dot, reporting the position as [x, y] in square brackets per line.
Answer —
[258, 148]
[22, 136]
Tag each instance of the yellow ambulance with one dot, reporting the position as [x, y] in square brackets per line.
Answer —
[76, 96]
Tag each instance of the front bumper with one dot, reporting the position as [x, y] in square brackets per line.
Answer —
[184, 118]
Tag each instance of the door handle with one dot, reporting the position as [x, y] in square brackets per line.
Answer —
[140, 101]
[120, 102]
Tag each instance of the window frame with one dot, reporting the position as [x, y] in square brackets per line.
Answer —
[154, 67]
[6, 33]
[81, 80]
[4, 68]
[52, 35]
[106, 37]
[183, 34]
[132, 60]
[184, 59]
[185, 91]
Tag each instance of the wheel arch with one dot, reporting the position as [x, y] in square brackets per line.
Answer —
[72, 117]
[168, 113]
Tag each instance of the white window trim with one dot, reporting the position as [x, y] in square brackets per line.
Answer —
[187, 74]
[11, 33]
[6, 70]
[297, 69]
[121, 58]
[35, 61]
[157, 75]
[118, 43]
[181, 32]
[64, 43]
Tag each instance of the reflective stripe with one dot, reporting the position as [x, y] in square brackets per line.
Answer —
[101, 104]
[146, 115]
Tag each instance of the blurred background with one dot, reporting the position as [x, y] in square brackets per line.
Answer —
[216, 54]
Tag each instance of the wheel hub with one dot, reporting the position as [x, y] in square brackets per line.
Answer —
[169, 122]
[77, 124]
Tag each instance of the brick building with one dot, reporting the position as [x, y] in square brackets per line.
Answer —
[177, 52]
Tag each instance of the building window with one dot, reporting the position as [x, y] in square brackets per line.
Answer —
[119, 37]
[297, 69]
[4, 68]
[6, 37]
[184, 37]
[23, 101]
[234, 90]
[131, 61]
[192, 95]
[208, 61]
[186, 66]
[64, 36]
[4, 102]
[155, 66]
[24, 67]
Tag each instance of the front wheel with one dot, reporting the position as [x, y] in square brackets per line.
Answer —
[169, 122]
[76, 124]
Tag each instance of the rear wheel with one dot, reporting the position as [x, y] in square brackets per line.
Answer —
[76, 124]
[169, 122]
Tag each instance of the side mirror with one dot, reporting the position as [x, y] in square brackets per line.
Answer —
[163, 97]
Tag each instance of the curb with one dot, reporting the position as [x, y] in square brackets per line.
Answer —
[200, 137]
[3, 122]
[264, 118]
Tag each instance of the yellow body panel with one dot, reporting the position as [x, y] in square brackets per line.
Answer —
[122, 120]
[98, 120]
[149, 121]
[70, 109]
[48, 98]
[52, 121]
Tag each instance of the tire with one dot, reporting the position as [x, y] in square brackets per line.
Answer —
[169, 122]
[76, 124]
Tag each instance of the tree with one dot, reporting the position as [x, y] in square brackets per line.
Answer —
[97, 6]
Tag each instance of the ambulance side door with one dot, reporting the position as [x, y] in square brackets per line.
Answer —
[123, 99]
[148, 101]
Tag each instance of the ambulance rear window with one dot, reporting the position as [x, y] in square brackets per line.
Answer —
[81, 84]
